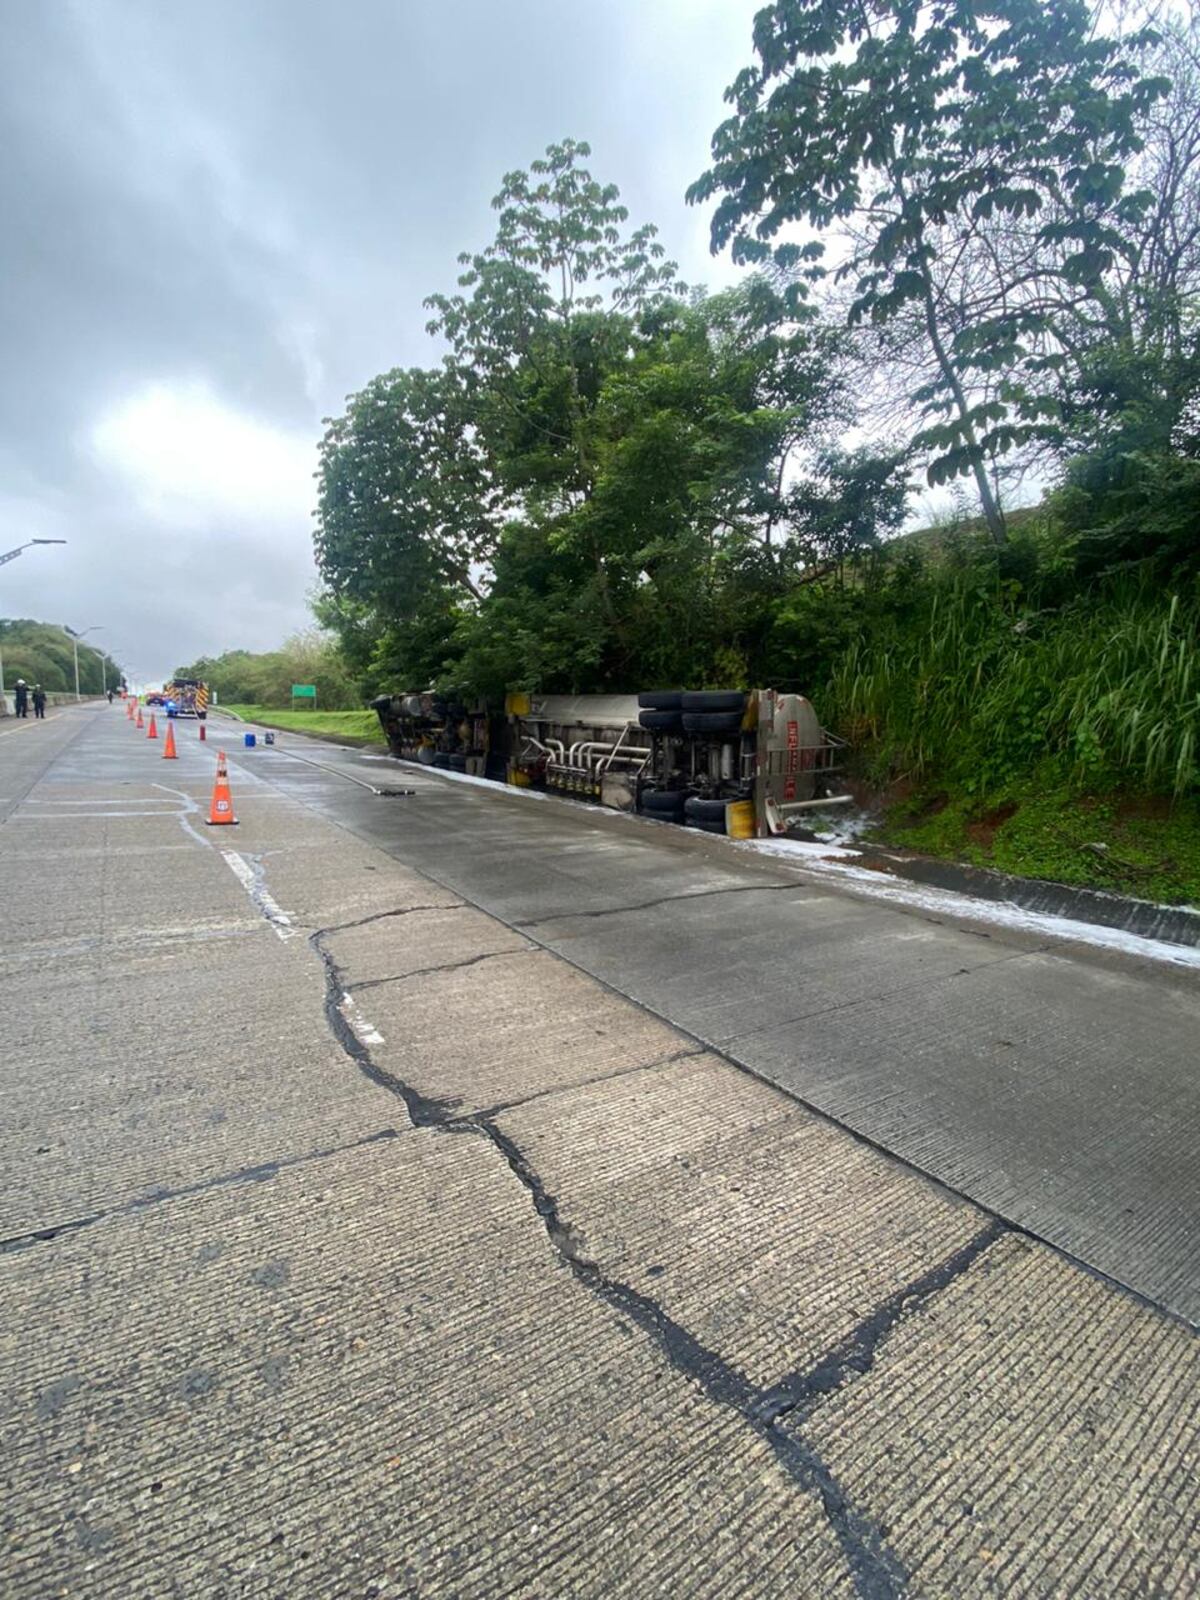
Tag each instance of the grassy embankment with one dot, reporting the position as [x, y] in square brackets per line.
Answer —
[355, 727]
[1061, 745]
[1129, 844]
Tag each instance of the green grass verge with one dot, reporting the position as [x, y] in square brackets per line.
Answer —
[1128, 844]
[360, 726]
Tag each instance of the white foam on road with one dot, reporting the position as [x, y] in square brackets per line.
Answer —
[834, 863]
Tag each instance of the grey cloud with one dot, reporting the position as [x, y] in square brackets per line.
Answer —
[257, 198]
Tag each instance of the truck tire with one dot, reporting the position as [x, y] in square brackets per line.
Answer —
[663, 802]
[699, 810]
[714, 700]
[708, 827]
[425, 755]
[660, 721]
[441, 759]
[458, 763]
[661, 699]
[712, 721]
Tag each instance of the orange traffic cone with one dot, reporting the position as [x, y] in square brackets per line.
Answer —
[169, 747]
[220, 812]
[152, 732]
[129, 709]
[139, 723]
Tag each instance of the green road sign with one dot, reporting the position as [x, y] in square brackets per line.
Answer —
[304, 691]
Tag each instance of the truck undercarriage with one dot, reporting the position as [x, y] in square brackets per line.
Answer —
[723, 761]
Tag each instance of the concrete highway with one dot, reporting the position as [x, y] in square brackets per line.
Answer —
[1054, 1083]
[446, 1193]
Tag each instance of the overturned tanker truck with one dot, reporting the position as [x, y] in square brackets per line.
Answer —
[722, 760]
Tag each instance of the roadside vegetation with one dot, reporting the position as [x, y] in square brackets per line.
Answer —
[972, 237]
[41, 653]
[356, 727]
[264, 679]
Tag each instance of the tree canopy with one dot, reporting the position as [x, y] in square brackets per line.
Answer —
[608, 477]
[970, 162]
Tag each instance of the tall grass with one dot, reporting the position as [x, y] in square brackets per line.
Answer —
[970, 689]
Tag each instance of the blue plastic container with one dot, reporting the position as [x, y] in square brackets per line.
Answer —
[249, 741]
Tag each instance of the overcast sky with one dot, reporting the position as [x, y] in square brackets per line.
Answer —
[221, 216]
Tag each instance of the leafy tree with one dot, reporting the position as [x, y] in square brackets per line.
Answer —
[905, 128]
[544, 313]
[601, 484]
[406, 505]
[856, 499]
[690, 524]
[1136, 357]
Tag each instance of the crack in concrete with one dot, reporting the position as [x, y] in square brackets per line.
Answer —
[381, 916]
[662, 900]
[876, 1571]
[444, 966]
[586, 1083]
[422, 1112]
[261, 1172]
[800, 1393]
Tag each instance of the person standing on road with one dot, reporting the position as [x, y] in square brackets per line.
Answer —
[39, 700]
[110, 696]
[21, 696]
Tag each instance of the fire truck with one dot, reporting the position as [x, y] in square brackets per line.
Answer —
[745, 763]
[186, 697]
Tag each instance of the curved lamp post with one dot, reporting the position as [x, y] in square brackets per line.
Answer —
[11, 555]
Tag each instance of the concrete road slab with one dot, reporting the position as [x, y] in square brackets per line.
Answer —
[369, 1376]
[508, 1027]
[405, 944]
[737, 965]
[1027, 1433]
[758, 1226]
[1032, 1058]
[167, 1072]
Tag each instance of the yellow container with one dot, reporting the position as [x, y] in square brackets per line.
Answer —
[518, 779]
[739, 819]
[516, 704]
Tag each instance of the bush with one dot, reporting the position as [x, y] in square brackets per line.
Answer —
[978, 688]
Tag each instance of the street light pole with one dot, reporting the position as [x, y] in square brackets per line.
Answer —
[96, 627]
[11, 555]
[105, 658]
